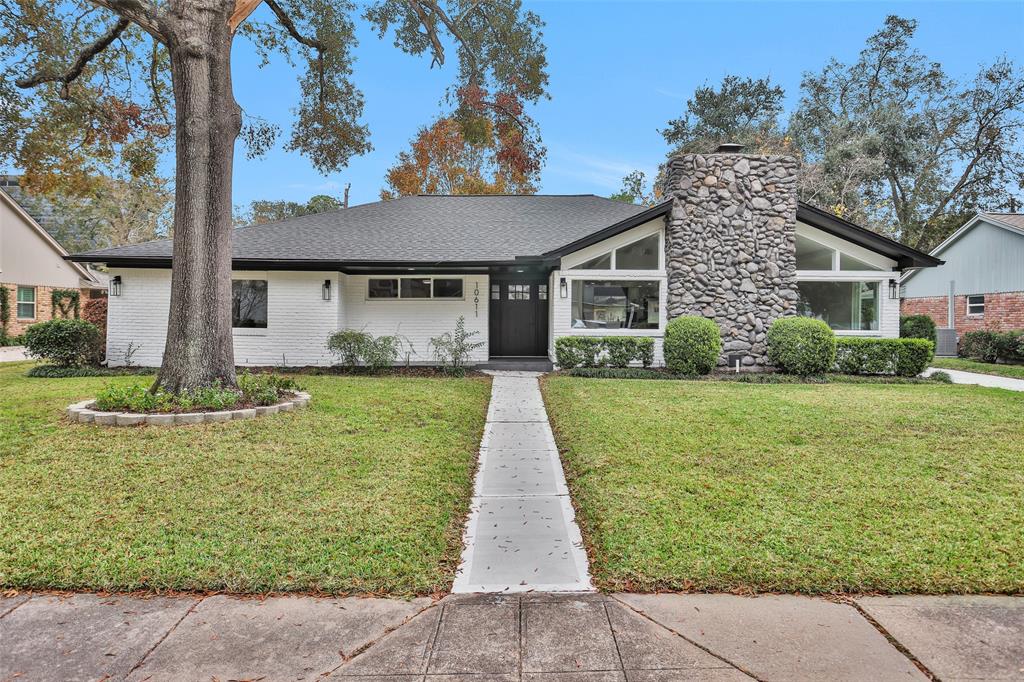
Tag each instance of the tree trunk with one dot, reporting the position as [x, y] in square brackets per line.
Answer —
[199, 349]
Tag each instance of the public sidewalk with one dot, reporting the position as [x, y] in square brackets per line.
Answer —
[540, 637]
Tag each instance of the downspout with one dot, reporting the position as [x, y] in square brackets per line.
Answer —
[950, 303]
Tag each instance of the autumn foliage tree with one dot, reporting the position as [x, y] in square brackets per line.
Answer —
[453, 156]
[94, 84]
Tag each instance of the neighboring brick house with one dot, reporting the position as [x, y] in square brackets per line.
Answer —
[984, 270]
[32, 266]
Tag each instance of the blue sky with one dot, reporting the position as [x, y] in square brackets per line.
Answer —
[619, 71]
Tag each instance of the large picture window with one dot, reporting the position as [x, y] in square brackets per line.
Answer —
[249, 303]
[614, 305]
[844, 306]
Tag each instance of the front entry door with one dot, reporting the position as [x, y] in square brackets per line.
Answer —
[519, 317]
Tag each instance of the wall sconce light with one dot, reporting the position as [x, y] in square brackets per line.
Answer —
[115, 285]
[327, 290]
[563, 288]
[894, 289]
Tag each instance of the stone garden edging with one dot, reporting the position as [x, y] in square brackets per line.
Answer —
[83, 413]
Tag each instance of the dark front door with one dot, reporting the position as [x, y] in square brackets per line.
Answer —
[519, 317]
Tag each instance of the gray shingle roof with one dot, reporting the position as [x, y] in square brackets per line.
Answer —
[416, 229]
[1014, 219]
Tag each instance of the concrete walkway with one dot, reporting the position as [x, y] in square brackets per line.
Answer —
[521, 534]
[536, 637]
[989, 380]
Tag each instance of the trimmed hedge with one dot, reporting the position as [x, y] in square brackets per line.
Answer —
[993, 346]
[692, 345]
[902, 357]
[55, 372]
[601, 351]
[755, 377]
[65, 343]
[801, 345]
[918, 327]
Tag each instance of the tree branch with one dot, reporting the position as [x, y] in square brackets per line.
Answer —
[289, 25]
[142, 12]
[75, 70]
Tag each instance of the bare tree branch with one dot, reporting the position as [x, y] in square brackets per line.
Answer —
[75, 70]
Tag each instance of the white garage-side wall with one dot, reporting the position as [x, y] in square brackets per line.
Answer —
[298, 319]
[561, 323]
[419, 320]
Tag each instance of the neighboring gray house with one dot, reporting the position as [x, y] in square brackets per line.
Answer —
[981, 283]
[730, 242]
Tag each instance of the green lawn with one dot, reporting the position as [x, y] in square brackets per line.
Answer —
[1012, 371]
[364, 491]
[811, 488]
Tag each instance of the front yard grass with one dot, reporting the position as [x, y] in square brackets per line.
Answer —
[363, 491]
[714, 486]
[1011, 371]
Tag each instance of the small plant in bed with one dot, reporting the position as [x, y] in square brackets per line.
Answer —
[57, 372]
[254, 390]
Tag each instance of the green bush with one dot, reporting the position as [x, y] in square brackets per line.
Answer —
[11, 340]
[993, 346]
[801, 345]
[598, 351]
[941, 377]
[918, 327]
[902, 357]
[692, 345]
[253, 389]
[357, 347]
[65, 343]
[55, 372]
[452, 350]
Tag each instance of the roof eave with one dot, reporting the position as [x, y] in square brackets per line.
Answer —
[662, 209]
[905, 256]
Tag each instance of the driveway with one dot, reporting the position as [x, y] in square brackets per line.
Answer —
[12, 353]
[989, 380]
[538, 637]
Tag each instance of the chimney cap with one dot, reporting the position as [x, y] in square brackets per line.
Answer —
[729, 148]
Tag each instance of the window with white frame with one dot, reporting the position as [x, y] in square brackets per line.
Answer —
[976, 304]
[615, 305]
[249, 303]
[813, 255]
[26, 303]
[411, 288]
[642, 254]
[844, 306]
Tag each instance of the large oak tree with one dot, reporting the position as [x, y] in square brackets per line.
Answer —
[90, 85]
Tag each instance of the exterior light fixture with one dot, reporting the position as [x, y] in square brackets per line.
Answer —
[894, 289]
[563, 288]
[115, 285]
[327, 290]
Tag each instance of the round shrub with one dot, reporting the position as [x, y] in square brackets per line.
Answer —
[801, 345]
[692, 345]
[917, 327]
[65, 343]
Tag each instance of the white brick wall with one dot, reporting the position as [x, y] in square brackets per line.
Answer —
[298, 319]
[419, 320]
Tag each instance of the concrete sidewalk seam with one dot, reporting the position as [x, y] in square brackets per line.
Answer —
[164, 637]
[11, 610]
[896, 644]
[615, 637]
[684, 637]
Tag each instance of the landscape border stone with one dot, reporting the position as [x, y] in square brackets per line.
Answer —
[83, 413]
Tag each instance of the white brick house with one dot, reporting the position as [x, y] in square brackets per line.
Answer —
[522, 270]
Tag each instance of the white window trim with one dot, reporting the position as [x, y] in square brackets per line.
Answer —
[838, 244]
[970, 305]
[432, 298]
[585, 275]
[852, 276]
[18, 304]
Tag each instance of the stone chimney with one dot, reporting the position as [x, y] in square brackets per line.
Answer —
[730, 244]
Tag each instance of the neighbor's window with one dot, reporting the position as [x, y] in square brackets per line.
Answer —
[382, 288]
[640, 255]
[614, 305]
[26, 303]
[415, 288]
[447, 288]
[976, 305]
[249, 303]
[843, 306]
